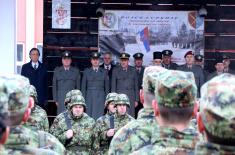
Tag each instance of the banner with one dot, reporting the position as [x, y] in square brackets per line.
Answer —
[61, 14]
[149, 31]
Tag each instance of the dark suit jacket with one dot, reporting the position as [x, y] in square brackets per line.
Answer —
[140, 76]
[37, 78]
[109, 73]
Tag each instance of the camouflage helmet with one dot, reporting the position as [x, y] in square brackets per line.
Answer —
[3, 98]
[18, 96]
[32, 92]
[71, 93]
[76, 100]
[123, 99]
[175, 89]
[110, 97]
[217, 106]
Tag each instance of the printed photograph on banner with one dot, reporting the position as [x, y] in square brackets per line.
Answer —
[149, 31]
[61, 14]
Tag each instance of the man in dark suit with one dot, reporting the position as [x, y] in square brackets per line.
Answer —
[166, 60]
[108, 66]
[65, 78]
[191, 67]
[95, 87]
[125, 81]
[140, 72]
[36, 72]
[199, 60]
[219, 66]
[227, 69]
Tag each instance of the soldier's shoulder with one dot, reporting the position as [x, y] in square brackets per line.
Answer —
[87, 118]
[74, 69]
[58, 68]
[40, 110]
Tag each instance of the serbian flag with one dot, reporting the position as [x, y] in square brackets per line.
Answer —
[143, 40]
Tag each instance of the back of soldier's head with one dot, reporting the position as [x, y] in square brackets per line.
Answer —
[149, 78]
[175, 93]
[217, 109]
[18, 97]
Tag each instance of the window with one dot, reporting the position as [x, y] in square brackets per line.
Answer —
[19, 57]
[40, 48]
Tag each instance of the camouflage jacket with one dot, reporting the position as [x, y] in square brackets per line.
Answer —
[83, 133]
[38, 120]
[210, 148]
[21, 138]
[101, 128]
[135, 134]
[28, 151]
[167, 140]
[120, 121]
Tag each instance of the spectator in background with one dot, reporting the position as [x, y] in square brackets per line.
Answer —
[219, 66]
[107, 65]
[157, 58]
[166, 60]
[65, 78]
[199, 60]
[226, 61]
[36, 72]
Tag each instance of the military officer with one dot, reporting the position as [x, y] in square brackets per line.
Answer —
[130, 137]
[190, 67]
[38, 117]
[95, 86]
[157, 58]
[125, 80]
[74, 128]
[19, 105]
[105, 124]
[140, 71]
[199, 60]
[226, 61]
[216, 116]
[219, 66]
[166, 60]
[65, 79]
[174, 106]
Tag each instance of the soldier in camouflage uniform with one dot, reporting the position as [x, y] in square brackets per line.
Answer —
[18, 111]
[175, 93]
[38, 117]
[137, 134]
[71, 93]
[74, 128]
[217, 117]
[105, 124]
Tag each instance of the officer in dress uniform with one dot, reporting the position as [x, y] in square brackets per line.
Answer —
[140, 72]
[65, 78]
[95, 87]
[166, 60]
[125, 81]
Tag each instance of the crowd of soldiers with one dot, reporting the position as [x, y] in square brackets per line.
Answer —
[174, 118]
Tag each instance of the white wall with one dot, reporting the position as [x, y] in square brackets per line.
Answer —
[7, 36]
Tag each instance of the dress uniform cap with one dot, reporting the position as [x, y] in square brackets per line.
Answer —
[219, 60]
[157, 55]
[217, 106]
[138, 55]
[175, 89]
[66, 54]
[95, 55]
[124, 56]
[167, 52]
[188, 53]
[198, 57]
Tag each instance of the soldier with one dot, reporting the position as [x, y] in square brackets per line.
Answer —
[226, 61]
[95, 86]
[166, 60]
[105, 124]
[175, 93]
[18, 111]
[140, 71]
[190, 67]
[121, 117]
[107, 65]
[71, 93]
[199, 60]
[125, 80]
[137, 134]
[65, 79]
[38, 117]
[74, 128]
[216, 117]
[157, 58]
[219, 66]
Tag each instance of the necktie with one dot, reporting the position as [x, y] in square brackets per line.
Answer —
[35, 66]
